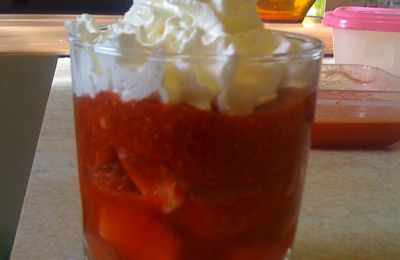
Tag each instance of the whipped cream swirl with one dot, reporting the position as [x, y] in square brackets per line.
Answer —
[211, 42]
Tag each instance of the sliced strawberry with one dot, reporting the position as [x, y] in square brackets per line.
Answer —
[148, 175]
[137, 230]
[151, 177]
[105, 155]
[111, 177]
[216, 221]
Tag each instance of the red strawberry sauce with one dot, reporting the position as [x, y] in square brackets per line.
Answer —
[163, 182]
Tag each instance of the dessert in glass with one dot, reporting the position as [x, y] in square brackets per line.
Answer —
[192, 131]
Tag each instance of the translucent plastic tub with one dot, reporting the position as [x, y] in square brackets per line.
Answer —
[368, 36]
[357, 107]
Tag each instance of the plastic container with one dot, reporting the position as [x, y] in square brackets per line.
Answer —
[357, 107]
[368, 36]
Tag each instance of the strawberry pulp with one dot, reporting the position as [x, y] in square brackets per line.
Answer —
[162, 181]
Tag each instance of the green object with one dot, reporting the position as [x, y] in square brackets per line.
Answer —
[5, 249]
[318, 9]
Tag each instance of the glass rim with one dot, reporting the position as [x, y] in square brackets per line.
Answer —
[315, 49]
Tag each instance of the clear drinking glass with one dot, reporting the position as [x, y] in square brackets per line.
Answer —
[172, 181]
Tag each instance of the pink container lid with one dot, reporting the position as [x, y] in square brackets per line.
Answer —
[364, 18]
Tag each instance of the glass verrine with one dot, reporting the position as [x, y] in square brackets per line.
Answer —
[176, 181]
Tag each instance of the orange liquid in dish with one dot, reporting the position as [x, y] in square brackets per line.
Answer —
[292, 11]
[351, 134]
[345, 126]
[171, 182]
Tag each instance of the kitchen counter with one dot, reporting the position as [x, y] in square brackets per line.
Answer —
[350, 210]
[38, 34]
[46, 35]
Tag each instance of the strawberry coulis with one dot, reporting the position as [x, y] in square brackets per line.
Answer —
[162, 181]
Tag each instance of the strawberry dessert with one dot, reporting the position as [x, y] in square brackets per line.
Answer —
[193, 127]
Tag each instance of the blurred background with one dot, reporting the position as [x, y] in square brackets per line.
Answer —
[120, 6]
[65, 6]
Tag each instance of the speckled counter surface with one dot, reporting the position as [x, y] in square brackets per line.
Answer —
[351, 207]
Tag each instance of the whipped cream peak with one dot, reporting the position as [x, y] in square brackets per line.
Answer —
[229, 29]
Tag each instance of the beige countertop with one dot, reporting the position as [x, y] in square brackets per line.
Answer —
[44, 34]
[351, 207]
